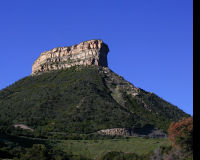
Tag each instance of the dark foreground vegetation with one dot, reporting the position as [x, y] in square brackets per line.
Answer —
[109, 148]
[20, 148]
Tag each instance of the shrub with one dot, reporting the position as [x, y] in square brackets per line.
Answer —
[38, 151]
[180, 134]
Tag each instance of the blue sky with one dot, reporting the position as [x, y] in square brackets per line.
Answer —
[150, 41]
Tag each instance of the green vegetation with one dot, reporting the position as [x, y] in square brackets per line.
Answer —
[27, 148]
[123, 156]
[97, 148]
[65, 108]
[70, 101]
[77, 100]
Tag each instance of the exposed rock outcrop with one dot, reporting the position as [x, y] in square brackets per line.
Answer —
[142, 132]
[117, 85]
[92, 52]
[23, 126]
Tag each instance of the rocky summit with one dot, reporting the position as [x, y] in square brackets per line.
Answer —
[92, 52]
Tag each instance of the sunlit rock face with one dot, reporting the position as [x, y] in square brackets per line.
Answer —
[92, 52]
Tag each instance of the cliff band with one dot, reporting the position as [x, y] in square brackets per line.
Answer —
[92, 52]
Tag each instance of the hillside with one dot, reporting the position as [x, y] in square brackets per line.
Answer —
[82, 100]
[73, 106]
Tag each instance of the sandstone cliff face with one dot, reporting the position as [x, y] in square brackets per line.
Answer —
[93, 52]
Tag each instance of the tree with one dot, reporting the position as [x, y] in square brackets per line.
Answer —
[181, 134]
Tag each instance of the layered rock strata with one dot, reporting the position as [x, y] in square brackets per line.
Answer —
[93, 52]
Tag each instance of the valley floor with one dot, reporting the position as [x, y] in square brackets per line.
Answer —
[96, 148]
[90, 149]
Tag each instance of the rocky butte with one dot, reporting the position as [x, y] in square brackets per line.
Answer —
[103, 100]
[92, 52]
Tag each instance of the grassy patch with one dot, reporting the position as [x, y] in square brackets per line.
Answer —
[96, 148]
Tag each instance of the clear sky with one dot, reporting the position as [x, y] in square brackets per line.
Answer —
[150, 41]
